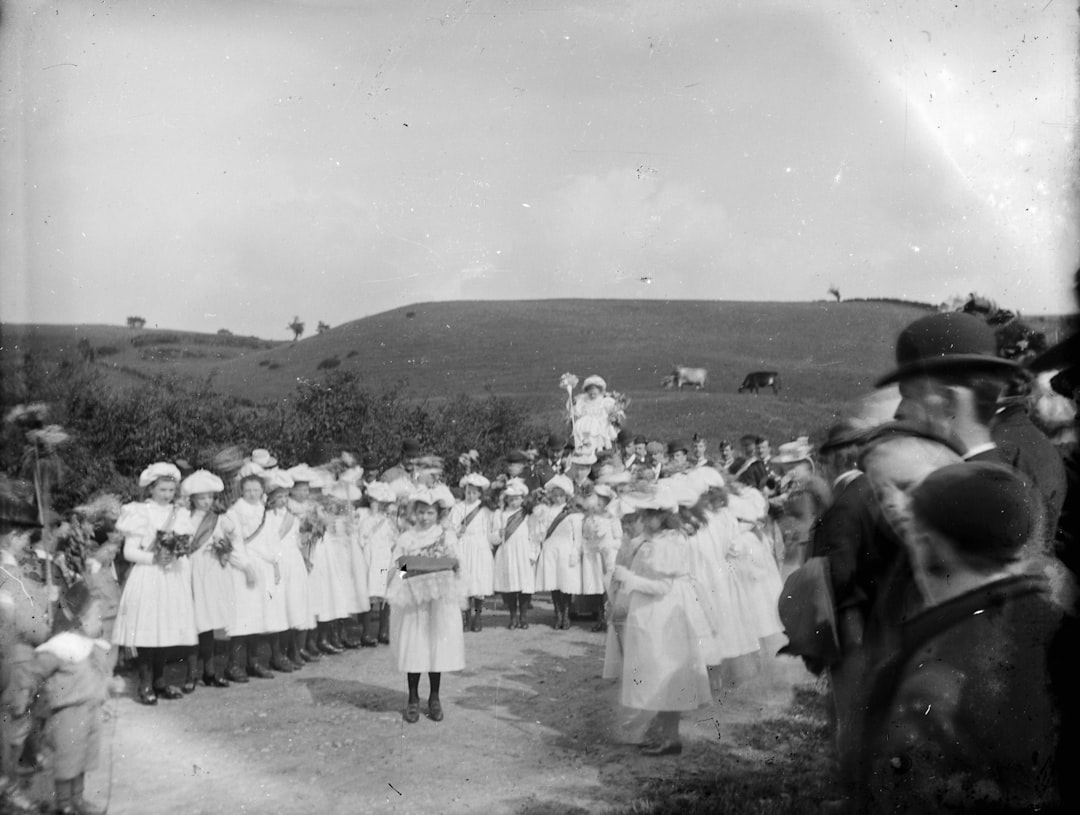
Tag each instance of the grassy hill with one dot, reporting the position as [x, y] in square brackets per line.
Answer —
[827, 354]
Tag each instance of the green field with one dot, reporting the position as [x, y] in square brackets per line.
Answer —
[827, 354]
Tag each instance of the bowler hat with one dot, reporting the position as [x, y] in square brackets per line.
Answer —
[984, 508]
[944, 343]
[410, 448]
[517, 457]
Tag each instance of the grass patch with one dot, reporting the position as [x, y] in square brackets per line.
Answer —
[778, 766]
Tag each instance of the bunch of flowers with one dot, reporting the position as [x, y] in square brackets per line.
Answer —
[312, 529]
[172, 545]
[568, 382]
[221, 548]
[617, 412]
[91, 526]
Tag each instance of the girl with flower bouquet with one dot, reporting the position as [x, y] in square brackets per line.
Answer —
[593, 415]
[299, 615]
[426, 632]
[211, 577]
[156, 607]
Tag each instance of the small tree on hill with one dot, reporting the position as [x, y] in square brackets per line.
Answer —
[322, 327]
[296, 327]
[136, 322]
[224, 332]
[835, 292]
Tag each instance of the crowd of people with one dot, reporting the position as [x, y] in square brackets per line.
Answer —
[928, 566]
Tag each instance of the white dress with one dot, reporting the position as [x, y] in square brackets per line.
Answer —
[377, 534]
[559, 566]
[359, 601]
[663, 666]
[757, 577]
[426, 634]
[475, 545]
[337, 589]
[592, 423]
[298, 611]
[156, 607]
[213, 592]
[515, 559]
[600, 542]
[260, 608]
[732, 633]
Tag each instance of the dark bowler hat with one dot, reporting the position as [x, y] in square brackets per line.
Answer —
[516, 457]
[843, 434]
[369, 462]
[944, 343]
[556, 442]
[624, 437]
[677, 445]
[410, 448]
[984, 508]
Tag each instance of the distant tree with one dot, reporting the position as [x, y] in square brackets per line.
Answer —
[296, 327]
[322, 327]
[86, 350]
[224, 332]
[835, 292]
[136, 322]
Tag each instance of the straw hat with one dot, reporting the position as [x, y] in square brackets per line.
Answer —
[560, 482]
[160, 469]
[201, 481]
[475, 480]
[515, 486]
[263, 458]
[594, 380]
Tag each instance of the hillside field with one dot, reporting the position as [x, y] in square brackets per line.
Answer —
[827, 354]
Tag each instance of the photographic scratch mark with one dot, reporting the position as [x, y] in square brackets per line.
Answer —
[60, 65]
[391, 786]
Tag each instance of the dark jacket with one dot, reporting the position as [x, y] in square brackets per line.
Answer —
[962, 716]
[1023, 446]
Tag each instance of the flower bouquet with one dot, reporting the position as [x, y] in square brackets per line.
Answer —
[617, 411]
[221, 548]
[312, 529]
[171, 545]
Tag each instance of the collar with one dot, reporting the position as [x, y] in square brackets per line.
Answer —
[979, 448]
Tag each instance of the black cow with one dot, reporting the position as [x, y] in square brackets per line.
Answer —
[761, 379]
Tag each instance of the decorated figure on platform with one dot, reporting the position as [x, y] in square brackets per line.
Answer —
[595, 414]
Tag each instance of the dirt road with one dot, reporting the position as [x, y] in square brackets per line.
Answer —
[530, 727]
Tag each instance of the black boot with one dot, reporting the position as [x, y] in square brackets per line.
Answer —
[235, 672]
[466, 619]
[478, 608]
[326, 645]
[369, 623]
[524, 604]
[384, 624]
[345, 636]
[310, 651]
[255, 667]
[278, 661]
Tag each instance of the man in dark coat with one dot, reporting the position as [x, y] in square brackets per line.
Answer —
[963, 716]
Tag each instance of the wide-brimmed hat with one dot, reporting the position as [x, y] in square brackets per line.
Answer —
[250, 468]
[844, 433]
[302, 474]
[475, 480]
[947, 342]
[594, 380]
[676, 445]
[201, 481]
[380, 491]
[792, 452]
[345, 491]
[160, 469]
[560, 482]
[263, 458]
[278, 480]
[515, 486]
[443, 496]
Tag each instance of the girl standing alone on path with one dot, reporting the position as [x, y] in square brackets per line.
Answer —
[426, 594]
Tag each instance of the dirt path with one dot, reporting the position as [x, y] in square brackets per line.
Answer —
[530, 727]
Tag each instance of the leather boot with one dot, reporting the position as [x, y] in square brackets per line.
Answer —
[345, 636]
[325, 644]
[235, 672]
[478, 608]
[333, 635]
[384, 624]
[513, 620]
[368, 638]
[522, 621]
[310, 652]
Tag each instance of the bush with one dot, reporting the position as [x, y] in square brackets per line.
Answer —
[328, 363]
[273, 366]
[352, 354]
[263, 363]
[106, 351]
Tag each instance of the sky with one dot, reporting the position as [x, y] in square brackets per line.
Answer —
[210, 165]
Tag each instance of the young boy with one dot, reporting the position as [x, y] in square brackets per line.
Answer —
[74, 666]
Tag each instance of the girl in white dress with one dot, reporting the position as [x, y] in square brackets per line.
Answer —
[378, 532]
[516, 555]
[601, 534]
[754, 567]
[211, 578]
[663, 668]
[260, 603]
[292, 573]
[156, 608]
[426, 633]
[558, 531]
[298, 605]
[474, 525]
[593, 429]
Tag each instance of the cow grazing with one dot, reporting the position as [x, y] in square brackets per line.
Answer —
[698, 377]
[760, 379]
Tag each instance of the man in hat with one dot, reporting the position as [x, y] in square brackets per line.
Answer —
[25, 622]
[551, 461]
[401, 474]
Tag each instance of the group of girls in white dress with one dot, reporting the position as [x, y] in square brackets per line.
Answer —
[695, 583]
[280, 574]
